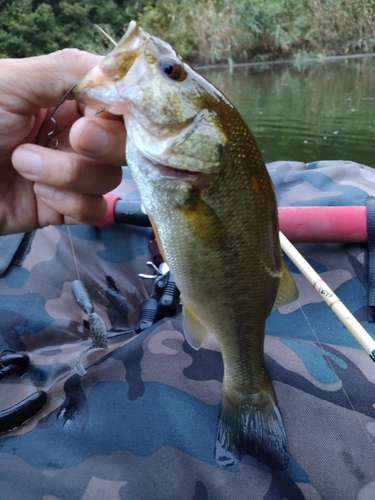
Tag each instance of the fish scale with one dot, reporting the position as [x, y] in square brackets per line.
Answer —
[211, 202]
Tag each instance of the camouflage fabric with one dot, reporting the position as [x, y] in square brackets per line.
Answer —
[141, 424]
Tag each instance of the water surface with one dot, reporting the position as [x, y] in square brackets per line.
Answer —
[318, 111]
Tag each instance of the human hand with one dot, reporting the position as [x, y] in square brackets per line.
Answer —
[38, 184]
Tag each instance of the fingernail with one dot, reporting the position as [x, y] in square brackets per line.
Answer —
[93, 139]
[27, 161]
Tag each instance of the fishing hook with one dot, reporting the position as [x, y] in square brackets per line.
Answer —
[160, 271]
[51, 134]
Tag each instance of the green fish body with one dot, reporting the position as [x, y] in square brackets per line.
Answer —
[203, 182]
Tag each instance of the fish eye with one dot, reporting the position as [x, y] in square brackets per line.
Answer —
[173, 69]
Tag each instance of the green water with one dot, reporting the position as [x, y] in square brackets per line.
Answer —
[320, 111]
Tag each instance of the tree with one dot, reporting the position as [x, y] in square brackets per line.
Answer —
[36, 27]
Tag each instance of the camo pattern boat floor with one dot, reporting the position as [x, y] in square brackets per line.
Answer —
[141, 423]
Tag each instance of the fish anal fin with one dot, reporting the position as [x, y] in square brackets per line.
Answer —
[287, 291]
[251, 426]
[194, 330]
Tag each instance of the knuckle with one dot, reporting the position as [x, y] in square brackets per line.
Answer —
[67, 56]
[71, 174]
[71, 63]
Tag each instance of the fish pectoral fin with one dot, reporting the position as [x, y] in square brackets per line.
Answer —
[205, 224]
[287, 291]
[194, 330]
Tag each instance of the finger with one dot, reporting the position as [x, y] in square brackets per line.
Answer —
[48, 76]
[65, 171]
[57, 207]
[99, 138]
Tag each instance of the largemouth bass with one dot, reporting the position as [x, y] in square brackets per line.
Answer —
[211, 202]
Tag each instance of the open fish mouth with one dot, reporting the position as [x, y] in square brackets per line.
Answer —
[178, 173]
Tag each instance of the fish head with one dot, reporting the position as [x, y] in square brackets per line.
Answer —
[172, 114]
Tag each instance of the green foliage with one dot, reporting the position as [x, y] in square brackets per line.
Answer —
[201, 30]
[22, 27]
[207, 31]
[33, 27]
[218, 30]
[343, 26]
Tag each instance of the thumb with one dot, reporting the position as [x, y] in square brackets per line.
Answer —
[43, 80]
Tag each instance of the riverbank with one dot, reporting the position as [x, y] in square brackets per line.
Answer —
[305, 59]
[204, 31]
[218, 31]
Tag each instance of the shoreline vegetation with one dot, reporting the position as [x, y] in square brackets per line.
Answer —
[204, 32]
[298, 61]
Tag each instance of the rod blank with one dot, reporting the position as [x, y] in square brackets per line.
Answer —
[341, 311]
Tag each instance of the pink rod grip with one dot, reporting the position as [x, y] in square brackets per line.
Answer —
[301, 224]
[108, 219]
[324, 224]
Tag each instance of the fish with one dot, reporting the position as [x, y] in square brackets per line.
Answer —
[211, 202]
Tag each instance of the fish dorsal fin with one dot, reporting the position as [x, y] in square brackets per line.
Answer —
[287, 291]
[194, 330]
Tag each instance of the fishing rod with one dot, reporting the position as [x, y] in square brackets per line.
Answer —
[329, 297]
[302, 224]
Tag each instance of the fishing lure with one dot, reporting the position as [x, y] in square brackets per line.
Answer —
[96, 324]
[12, 362]
[21, 412]
[164, 299]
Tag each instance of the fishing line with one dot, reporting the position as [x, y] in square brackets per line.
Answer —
[330, 364]
[73, 252]
[97, 326]
[55, 142]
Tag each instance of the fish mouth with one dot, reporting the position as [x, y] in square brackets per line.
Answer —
[178, 173]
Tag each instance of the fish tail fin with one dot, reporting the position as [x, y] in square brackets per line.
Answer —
[251, 425]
